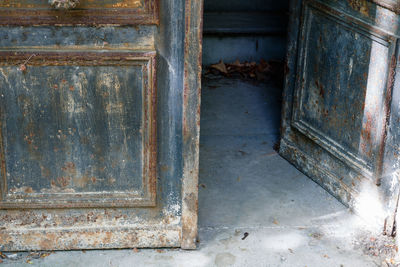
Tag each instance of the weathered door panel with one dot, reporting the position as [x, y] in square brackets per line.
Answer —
[341, 63]
[93, 122]
[34, 12]
[77, 123]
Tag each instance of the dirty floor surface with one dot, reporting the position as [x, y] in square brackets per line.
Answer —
[255, 208]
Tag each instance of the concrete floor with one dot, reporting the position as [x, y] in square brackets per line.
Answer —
[246, 187]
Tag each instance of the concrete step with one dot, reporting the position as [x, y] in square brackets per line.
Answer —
[246, 36]
[233, 23]
[243, 48]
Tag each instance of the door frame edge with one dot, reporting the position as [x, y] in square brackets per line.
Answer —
[191, 120]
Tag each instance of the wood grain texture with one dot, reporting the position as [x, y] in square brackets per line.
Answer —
[174, 46]
[191, 121]
[339, 115]
[123, 12]
[69, 143]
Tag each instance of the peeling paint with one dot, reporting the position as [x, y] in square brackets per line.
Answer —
[89, 13]
[338, 113]
[80, 170]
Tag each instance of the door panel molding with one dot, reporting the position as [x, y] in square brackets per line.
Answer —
[339, 118]
[171, 48]
[65, 197]
[126, 12]
[367, 167]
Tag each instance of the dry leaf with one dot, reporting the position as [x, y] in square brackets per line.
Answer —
[220, 66]
[265, 70]
[237, 63]
[275, 222]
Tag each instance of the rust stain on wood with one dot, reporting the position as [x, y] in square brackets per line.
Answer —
[191, 120]
[69, 180]
[126, 12]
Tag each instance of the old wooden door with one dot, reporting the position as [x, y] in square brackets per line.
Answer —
[99, 105]
[341, 103]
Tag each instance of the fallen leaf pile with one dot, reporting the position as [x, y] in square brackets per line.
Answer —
[264, 70]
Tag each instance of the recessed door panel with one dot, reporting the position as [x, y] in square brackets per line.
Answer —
[341, 92]
[78, 129]
[338, 114]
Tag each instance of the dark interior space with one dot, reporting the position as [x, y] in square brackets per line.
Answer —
[244, 30]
